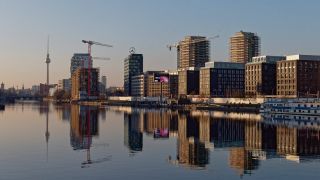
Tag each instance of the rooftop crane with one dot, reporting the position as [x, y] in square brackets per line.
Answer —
[90, 43]
[176, 45]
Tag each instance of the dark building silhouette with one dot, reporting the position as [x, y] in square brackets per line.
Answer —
[133, 65]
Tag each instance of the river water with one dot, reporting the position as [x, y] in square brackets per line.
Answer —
[46, 141]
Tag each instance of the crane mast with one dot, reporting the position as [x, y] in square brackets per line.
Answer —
[90, 43]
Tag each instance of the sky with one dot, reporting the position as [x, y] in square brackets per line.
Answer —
[285, 27]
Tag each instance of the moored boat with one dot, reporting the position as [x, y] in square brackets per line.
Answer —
[309, 107]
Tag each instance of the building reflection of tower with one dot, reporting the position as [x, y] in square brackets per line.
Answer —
[193, 141]
[47, 134]
[46, 108]
[83, 126]
[133, 131]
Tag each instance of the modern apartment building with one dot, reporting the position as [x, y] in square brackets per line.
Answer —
[146, 85]
[298, 76]
[133, 65]
[260, 76]
[79, 60]
[188, 81]
[137, 85]
[222, 79]
[244, 46]
[80, 85]
[193, 51]
[154, 88]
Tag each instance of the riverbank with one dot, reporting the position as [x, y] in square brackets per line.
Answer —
[228, 107]
[254, 108]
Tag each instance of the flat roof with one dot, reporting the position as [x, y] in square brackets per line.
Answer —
[303, 57]
[224, 65]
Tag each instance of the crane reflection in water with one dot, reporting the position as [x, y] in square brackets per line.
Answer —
[84, 125]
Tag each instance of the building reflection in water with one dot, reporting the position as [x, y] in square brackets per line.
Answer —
[133, 131]
[249, 138]
[84, 125]
[193, 140]
[63, 111]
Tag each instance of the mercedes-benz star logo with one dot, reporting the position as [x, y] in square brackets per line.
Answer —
[132, 50]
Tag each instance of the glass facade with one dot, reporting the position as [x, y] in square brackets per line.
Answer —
[133, 65]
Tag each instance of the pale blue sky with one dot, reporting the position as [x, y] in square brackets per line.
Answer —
[285, 27]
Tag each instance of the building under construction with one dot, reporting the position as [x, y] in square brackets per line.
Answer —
[193, 51]
[81, 88]
[244, 46]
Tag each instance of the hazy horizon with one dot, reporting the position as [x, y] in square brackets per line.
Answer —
[285, 28]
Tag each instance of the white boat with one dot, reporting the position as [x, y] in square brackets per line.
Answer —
[309, 107]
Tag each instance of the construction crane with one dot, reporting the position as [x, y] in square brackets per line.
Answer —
[172, 46]
[90, 43]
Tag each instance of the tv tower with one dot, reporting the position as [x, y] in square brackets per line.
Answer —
[48, 61]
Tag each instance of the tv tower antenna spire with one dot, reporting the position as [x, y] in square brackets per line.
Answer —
[48, 60]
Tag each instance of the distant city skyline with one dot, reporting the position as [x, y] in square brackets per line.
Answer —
[284, 28]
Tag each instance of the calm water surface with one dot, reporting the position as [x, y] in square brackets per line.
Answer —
[41, 141]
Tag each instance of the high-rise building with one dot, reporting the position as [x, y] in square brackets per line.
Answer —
[65, 84]
[133, 65]
[103, 86]
[79, 88]
[174, 84]
[260, 76]
[2, 86]
[298, 76]
[79, 60]
[188, 81]
[244, 46]
[222, 79]
[104, 81]
[193, 51]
